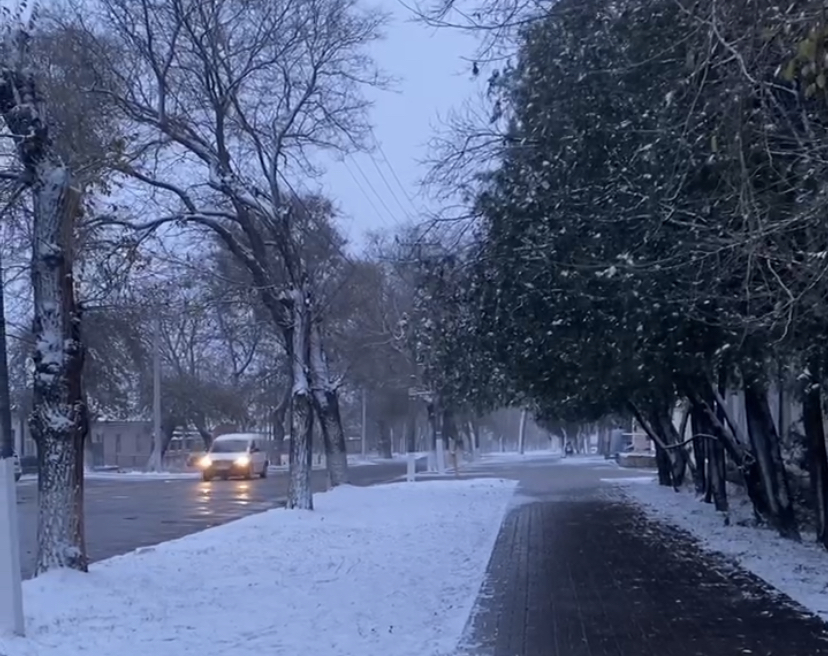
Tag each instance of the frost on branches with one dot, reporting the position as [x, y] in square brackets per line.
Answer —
[58, 421]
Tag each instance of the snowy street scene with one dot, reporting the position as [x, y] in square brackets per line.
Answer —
[413, 328]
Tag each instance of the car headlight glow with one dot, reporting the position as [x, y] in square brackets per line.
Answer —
[243, 461]
[205, 462]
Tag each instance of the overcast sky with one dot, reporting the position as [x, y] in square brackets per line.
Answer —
[381, 191]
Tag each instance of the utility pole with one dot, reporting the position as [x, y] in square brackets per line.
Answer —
[11, 584]
[364, 423]
[157, 445]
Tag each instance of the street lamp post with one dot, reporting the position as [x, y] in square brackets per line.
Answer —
[11, 586]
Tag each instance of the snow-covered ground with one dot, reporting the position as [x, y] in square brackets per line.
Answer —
[391, 570]
[798, 570]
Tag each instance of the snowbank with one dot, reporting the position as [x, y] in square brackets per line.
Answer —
[798, 570]
[391, 570]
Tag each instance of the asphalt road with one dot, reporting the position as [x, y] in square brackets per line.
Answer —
[125, 514]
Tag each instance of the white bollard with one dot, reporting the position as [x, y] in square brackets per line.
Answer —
[441, 456]
[411, 467]
[11, 585]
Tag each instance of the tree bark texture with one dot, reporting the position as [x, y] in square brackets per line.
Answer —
[765, 445]
[326, 406]
[700, 428]
[59, 421]
[812, 419]
[300, 492]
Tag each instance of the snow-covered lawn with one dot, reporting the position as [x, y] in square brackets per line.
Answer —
[798, 570]
[391, 570]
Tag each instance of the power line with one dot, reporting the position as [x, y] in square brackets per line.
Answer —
[393, 171]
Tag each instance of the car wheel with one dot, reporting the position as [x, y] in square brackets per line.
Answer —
[206, 477]
[264, 470]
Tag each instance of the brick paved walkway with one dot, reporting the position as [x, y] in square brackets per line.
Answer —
[586, 575]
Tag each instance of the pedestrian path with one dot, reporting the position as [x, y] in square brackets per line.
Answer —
[575, 572]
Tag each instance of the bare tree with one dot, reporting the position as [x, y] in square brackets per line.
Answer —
[222, 98]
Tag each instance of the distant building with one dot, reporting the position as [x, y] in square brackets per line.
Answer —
[109, 443]
[125, 444]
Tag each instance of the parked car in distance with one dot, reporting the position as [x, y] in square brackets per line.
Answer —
[235, 454]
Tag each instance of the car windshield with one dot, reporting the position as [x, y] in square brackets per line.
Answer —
[229, 446]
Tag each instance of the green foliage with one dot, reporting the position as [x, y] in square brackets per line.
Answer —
[653, 217]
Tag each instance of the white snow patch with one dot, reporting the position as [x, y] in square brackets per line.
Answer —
[798, 570]
[502, 456]
[388, 570]
[587, 461]
[630, 479]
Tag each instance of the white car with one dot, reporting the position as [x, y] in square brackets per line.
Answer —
[236, 454]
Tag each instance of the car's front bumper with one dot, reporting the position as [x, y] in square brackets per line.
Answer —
[227, 469]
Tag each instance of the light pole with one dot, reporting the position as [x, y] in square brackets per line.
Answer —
[157, 442]
[364, 423]
[11, 585]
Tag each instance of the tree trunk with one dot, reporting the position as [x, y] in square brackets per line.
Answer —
[671, 458]
[522, 433]
[765, 442]
[384, 439]
[431, 412]
[277, 423]
[300, 492]
[326, 406]
[700, 428]
[675, 446]
[59, 420]
[474, 426]
[710, 465]
[812, 419]
[411, 433]
[450, 435]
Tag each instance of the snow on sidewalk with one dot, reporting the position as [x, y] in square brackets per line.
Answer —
[798, 570]
[391, 570]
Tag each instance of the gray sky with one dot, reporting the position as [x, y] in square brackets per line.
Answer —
[432, 79]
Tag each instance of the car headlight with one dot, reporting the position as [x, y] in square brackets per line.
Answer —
[242, 461]
[205, 462]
